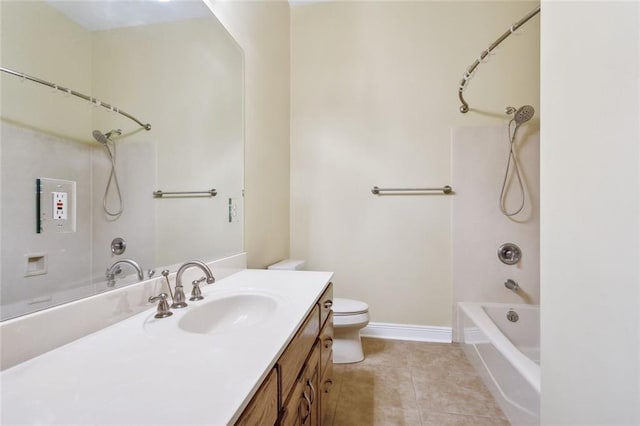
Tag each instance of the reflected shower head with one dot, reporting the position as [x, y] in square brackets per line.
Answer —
[103, 138]
[524, 114]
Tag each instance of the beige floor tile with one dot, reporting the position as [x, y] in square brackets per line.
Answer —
[376, 416]
[455, 394]
[411, 383]
[377, 385]
[384, 352]
[430, 358]
[445, 419]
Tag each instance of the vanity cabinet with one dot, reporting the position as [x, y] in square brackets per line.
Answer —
[303, 373]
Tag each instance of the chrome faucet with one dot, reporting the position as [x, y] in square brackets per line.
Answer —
[114, 269]
[512, 285]
[179, 297]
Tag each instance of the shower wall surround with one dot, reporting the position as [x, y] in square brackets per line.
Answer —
[75, 262]
[479, 158]
[25, 154]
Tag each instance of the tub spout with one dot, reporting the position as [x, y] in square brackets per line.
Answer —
[114, 269]
[512, 285]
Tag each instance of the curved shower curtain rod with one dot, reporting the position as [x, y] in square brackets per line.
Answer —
[464, 108]
[68, 91]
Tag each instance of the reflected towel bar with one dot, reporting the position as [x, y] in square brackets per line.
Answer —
[379, 191]
[209, 193]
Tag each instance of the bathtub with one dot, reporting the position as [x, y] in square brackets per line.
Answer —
[505, 354]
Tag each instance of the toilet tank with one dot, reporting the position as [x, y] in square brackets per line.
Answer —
[288, 265]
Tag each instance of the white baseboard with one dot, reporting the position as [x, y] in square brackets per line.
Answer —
[420, 333]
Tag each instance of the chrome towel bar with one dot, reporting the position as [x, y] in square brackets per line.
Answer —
[209, 193]
[379, 191]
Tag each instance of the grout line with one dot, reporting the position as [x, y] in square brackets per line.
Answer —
[415, 397]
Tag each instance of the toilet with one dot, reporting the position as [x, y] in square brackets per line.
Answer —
[349, 317]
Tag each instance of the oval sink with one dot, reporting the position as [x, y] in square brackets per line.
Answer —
[229, 313]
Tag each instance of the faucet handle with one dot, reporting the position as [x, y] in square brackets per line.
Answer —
[196, 293]
[163, 306]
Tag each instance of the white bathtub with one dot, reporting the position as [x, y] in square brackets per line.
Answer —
[505, 354]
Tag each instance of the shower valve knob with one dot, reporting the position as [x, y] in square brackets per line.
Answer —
[509, 254]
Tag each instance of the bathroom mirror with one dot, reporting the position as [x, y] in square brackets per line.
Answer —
[167, 63]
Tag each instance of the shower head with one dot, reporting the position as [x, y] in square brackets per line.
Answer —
[103, 138]
[524, 114]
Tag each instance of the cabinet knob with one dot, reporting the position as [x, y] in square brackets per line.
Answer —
[328, 384]
[328, 342]
[327, 304]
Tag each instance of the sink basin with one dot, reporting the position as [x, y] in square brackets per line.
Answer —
[228, 313]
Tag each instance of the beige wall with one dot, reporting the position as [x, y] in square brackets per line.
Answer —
[590, 213]
[262, 30]
[373, 101]
[64, 58]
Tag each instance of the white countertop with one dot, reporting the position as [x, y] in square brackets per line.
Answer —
[147, 371]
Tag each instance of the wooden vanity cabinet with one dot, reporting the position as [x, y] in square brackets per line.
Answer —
[303, 373]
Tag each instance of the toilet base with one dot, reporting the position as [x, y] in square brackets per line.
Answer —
[347, 346]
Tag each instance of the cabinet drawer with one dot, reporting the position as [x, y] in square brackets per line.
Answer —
[263, 408]
[326, 303]
[326, 343]
[296, 353]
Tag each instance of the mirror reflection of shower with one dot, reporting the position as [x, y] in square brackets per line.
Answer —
[520, 116]
[110, 147]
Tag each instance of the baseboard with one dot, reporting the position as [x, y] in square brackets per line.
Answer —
[420, 333]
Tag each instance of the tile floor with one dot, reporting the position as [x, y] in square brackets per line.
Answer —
[410, 383]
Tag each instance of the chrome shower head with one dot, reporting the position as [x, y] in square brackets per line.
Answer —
[104, 138]
[524, 114]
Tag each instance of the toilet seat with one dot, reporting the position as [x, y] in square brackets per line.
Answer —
[343, 307]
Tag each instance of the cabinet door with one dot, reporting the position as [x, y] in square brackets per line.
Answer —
[292, 360]
[303, 403]
[313, 380]
[263, 408]
[326, 344]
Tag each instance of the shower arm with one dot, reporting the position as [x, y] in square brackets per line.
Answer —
[68, 91]
[464, 108]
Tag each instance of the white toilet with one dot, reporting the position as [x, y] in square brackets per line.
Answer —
[349, 317]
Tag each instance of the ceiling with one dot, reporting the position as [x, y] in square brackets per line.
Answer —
[96, 15]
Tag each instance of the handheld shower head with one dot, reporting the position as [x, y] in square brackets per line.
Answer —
[104, 138]
[100, 137]
[524, 114]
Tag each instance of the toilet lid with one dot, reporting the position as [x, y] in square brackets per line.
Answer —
[348, 307]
